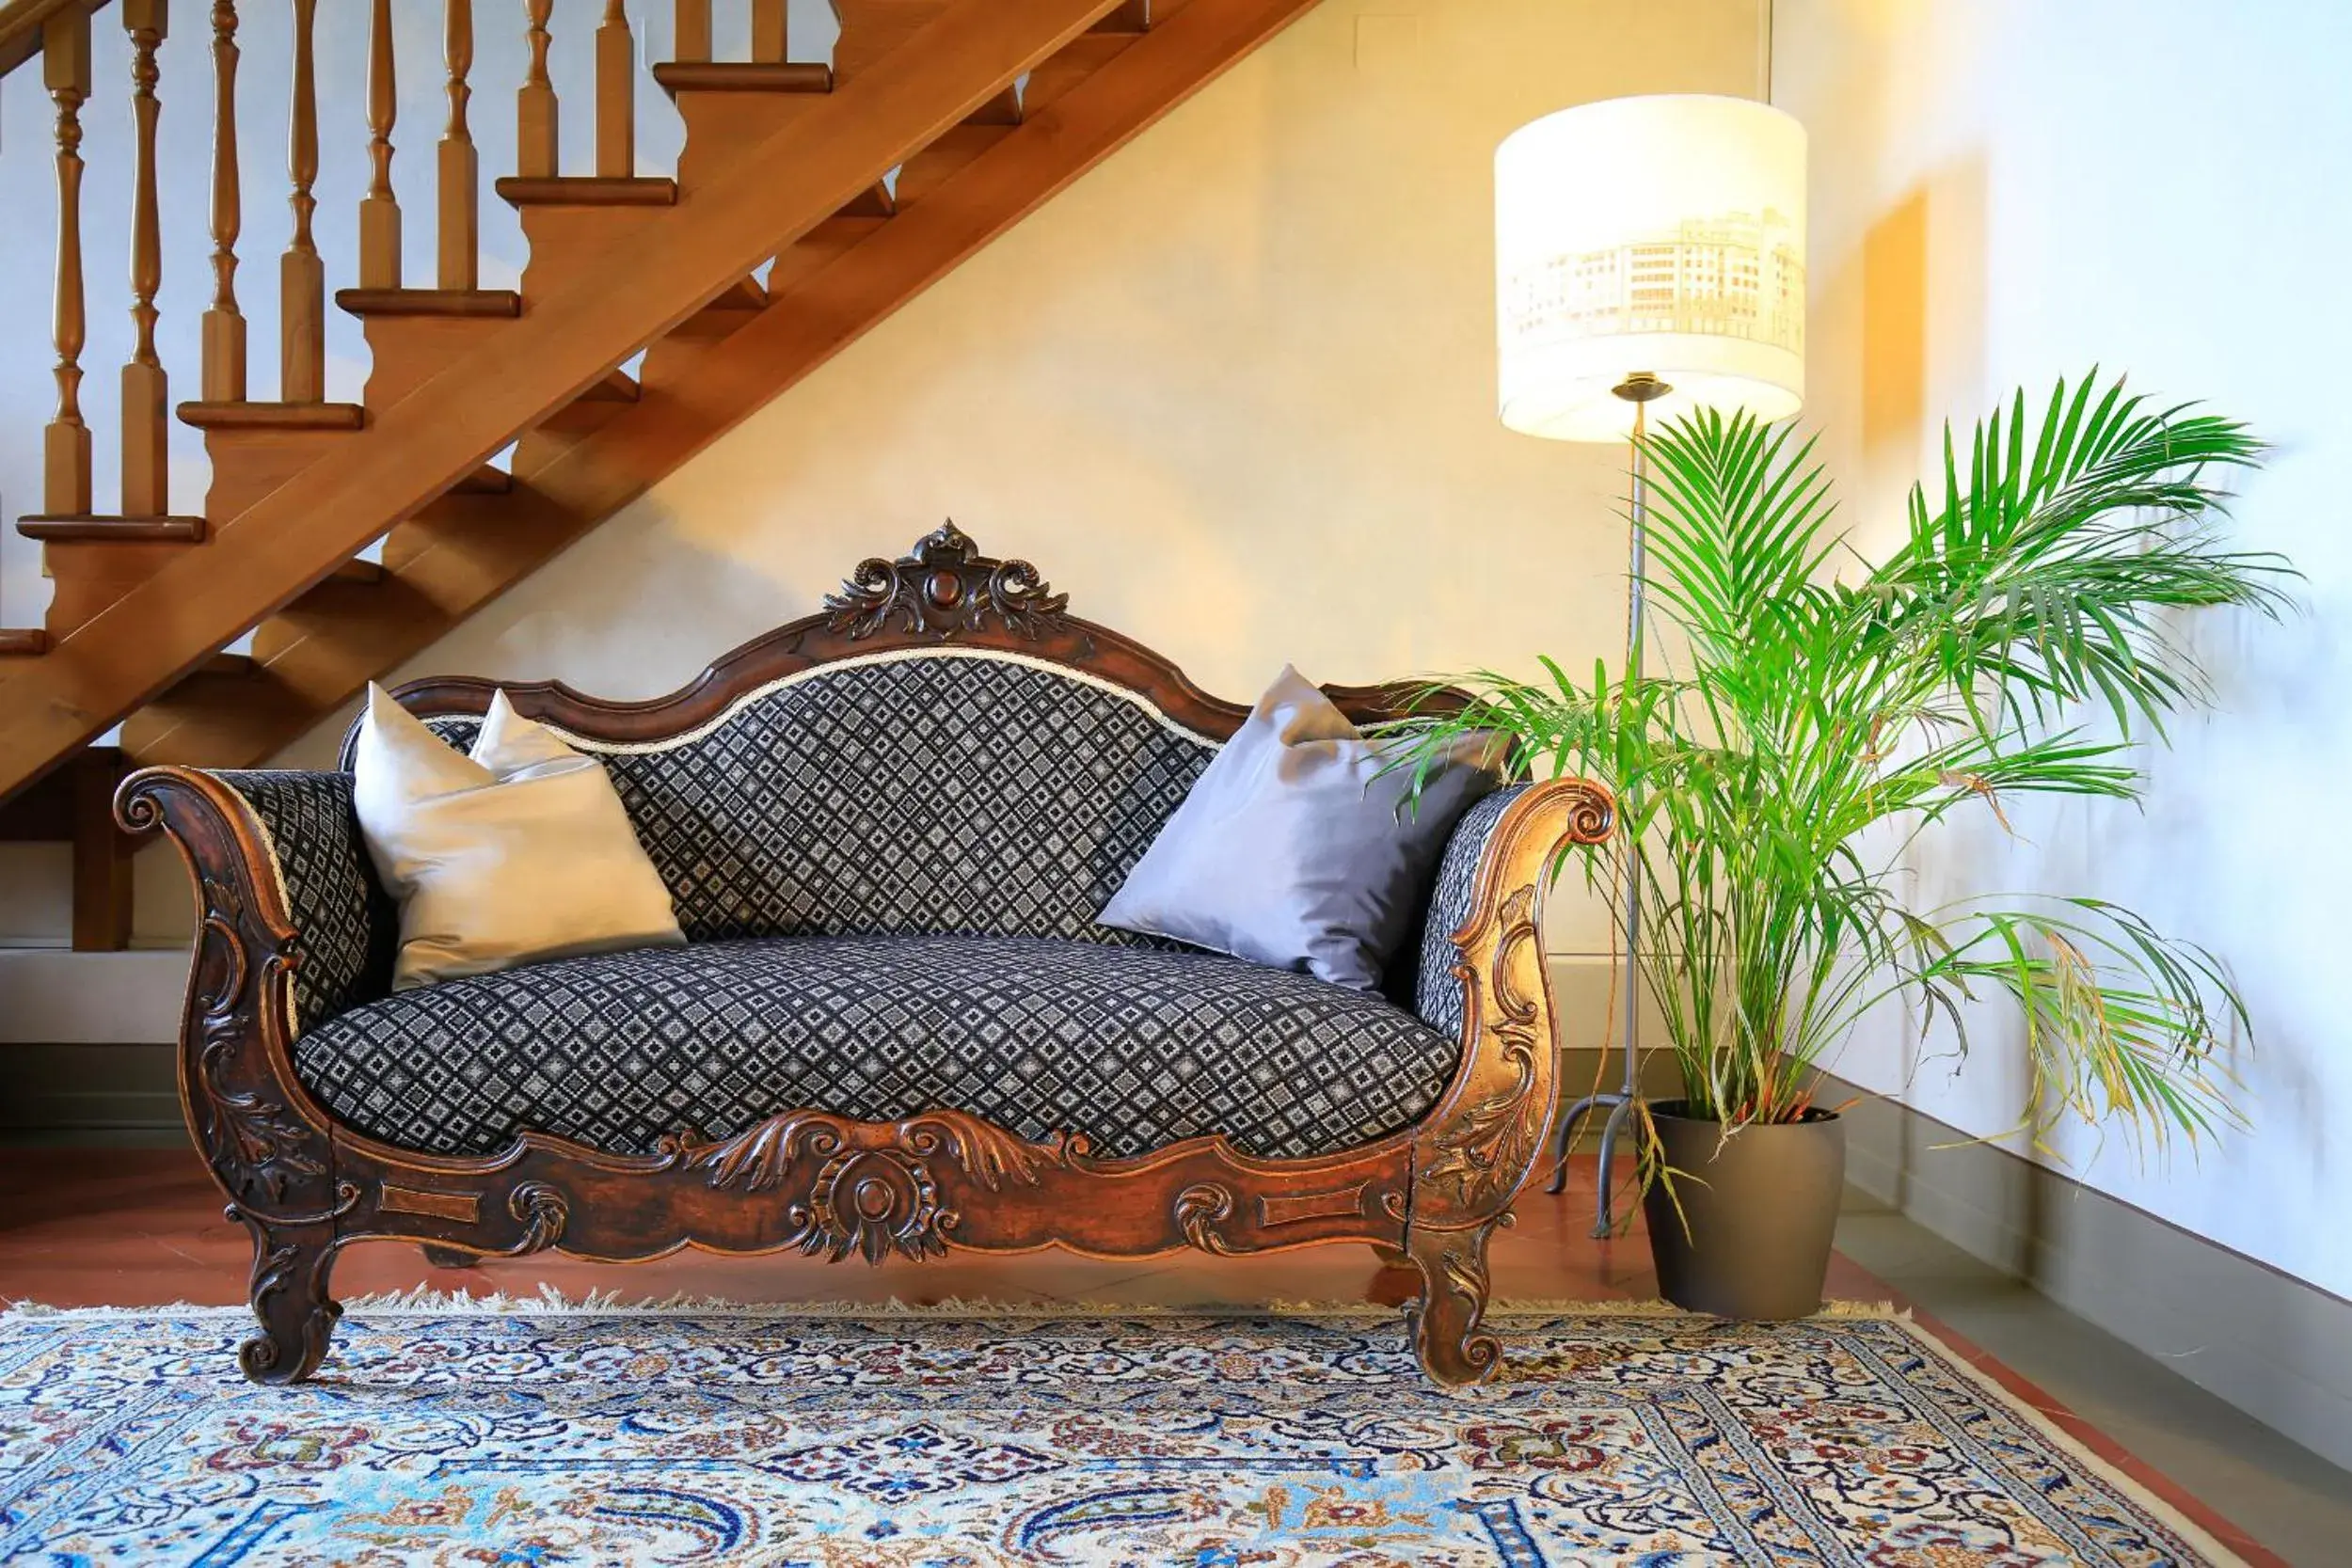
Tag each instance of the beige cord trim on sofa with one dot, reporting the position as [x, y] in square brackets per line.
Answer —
[892, 656]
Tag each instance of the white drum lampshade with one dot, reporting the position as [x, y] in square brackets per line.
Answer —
[1662, 236]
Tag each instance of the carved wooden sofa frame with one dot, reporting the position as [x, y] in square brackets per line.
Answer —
[305, 1187]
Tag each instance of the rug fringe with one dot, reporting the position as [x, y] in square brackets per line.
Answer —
[425, 1301]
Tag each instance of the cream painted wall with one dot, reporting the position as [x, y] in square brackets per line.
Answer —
[2003, 192]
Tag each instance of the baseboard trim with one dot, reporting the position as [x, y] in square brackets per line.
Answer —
[2276, 1347]
[123, 1093]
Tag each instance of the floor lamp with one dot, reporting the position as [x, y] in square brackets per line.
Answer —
[1649, 260]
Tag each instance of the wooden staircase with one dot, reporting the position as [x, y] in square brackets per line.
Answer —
[937, 125]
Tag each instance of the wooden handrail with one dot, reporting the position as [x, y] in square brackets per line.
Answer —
[20, 27]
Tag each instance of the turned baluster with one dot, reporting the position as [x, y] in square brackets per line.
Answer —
[616, 94]
[460, 171]
[301, 276]
[535, 105]
[379, 210]
[145, 391]
[768, 41]
[65, 443]
[223, 324]
[692, 42]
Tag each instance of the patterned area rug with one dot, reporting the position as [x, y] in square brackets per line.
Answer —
[717, 1436]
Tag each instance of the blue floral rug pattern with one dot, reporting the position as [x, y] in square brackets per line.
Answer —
[473, 1438]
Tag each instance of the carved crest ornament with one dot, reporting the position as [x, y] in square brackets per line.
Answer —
[874, 1191]
[941, 587]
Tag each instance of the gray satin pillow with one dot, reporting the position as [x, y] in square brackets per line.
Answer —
[1292, 851]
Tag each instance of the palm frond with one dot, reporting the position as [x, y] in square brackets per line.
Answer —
[1832, 710]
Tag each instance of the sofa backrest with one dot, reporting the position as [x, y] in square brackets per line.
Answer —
[942, 749]
[943, 790]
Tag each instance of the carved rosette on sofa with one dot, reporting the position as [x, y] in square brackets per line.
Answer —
[902, 1030]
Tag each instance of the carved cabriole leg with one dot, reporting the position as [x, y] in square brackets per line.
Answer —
[1481, 1145]
[291, 1264]
[1445, 1320]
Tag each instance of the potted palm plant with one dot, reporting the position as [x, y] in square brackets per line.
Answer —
[1820, 714]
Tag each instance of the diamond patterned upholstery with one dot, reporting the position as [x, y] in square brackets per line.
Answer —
[938, 791]
[1135, 1048]
[346, 927]
[1437, 996]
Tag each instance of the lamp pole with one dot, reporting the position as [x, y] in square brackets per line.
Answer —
[1641, 389]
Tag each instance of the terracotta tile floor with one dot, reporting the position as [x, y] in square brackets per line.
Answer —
[128, 1228]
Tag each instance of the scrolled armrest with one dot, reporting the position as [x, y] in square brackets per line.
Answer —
[1472, 867]
[1480, 1142]
[294, 838]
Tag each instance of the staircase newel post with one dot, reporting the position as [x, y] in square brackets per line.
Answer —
[379, 210]
[616, 94]
[301, 276]
[460, 168]
[535, 105]
[223, 324]
[65, 443]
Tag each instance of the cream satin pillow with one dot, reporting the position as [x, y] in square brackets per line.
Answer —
[518, 852]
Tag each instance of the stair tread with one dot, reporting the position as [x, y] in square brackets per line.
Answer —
[485, 481]
[357, 571]
[744, 294]
[593, 407]
[96, 529]
[1003, 109]
[237, 666]
[617, 386]
[588, 190]
[429, 302]
[274, 416]
[1130, 16]
[676, 76]
[22, 642]
[736, 304]
[875, 201]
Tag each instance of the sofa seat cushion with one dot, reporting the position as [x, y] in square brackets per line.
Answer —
[1132, 1047]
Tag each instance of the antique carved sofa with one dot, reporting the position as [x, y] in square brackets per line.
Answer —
[896, 1028]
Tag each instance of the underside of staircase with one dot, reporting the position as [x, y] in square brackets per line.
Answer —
[938, 124]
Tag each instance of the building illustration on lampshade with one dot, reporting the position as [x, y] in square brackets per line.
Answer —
[1736, 275]
[1659, 237]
